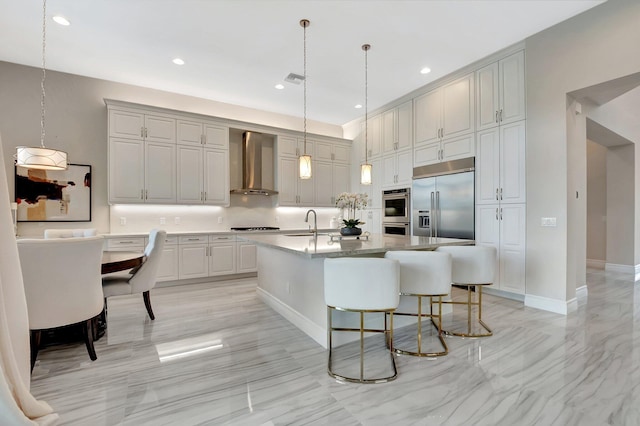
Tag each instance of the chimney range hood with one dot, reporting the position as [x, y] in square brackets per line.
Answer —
[252, 166]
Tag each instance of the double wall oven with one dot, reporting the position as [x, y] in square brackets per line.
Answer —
[396, 212]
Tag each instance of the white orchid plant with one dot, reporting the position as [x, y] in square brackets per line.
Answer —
[352, 202]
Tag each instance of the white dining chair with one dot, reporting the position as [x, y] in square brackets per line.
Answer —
[142, 278]
[62, 283]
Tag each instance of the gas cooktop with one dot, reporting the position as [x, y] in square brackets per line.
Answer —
[255, 228]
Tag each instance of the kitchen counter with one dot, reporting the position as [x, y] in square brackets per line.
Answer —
[306, 245]
[291, 275]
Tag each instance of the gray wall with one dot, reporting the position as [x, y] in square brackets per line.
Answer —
[596, 202]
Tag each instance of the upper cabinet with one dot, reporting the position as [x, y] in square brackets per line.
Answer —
[500, 92]
[137, 125]
[446, 111]
[397, 140]
[202, 133]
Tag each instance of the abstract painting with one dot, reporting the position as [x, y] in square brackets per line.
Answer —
[54, 195]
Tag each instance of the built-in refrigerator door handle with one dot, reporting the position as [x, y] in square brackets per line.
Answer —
[437, 212]
[432, 224]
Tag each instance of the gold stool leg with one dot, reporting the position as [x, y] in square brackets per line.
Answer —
[470, 305]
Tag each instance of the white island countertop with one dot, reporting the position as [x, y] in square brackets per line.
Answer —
[322, 246]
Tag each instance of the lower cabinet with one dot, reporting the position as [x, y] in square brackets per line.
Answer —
[214, 255]
[503, 226]
[168, 269]
[247, 257]
[222, 255]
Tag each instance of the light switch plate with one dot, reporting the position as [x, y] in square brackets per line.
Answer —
[548, 221]
[123, 221]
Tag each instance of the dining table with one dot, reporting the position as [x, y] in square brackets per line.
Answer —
[115, 261]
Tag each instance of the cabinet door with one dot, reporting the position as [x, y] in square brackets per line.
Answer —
[168, 269]
[323, 151]
[457, 107]
[427, 116]
[342, 153]
[388, 171]
[512, 88]
[216, 136]
[189, 132]
[306, 188]
[190, 175]
[126, 171]
[404, 126]
[460, 147]
[389, 133]
[247, 258]
[487, 96]
[160, 129]
[341, 178]
[323, 183]
[194, 262]
[404, 167]
[287, 146]
[512, 163]
[488, 232]
[222, 258]
[287, 180]
[160, 173]
[216, 176]
[512, 248]
[427, 153]
[125, 124]
[374, 127]
[488, 166]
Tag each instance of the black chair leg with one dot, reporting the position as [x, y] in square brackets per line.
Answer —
[147, 304]
[87, 330]
[35, 345]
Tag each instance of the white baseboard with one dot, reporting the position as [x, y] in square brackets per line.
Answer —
[563, 307]
[312, 329]
[502, 293]
[625, 269]
[596, 263]
[582, 291]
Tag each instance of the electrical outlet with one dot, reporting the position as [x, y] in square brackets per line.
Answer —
[219, 219]
[548, 221]
[163, 221]
[123, 221]
[176, 220]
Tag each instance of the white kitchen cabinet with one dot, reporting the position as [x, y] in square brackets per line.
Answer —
[203, 175]
[446, 111]
[330, 151]
[444, 150]
[133, 124]
[293, 191]
[193, 256]
[397, 128]
[124, 244]
[169, 259]
[397, 169]
[141, 171]
[330, 180]
[373, 136]
[202, 133]
[222, 255]
[500, 93]
[500, 165]
[247, 257]
[504, 227]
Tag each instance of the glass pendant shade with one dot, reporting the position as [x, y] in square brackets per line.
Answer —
[365, 174]
[305, 166]
[41, 158]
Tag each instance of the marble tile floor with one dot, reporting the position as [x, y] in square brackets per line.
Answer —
[249, 366]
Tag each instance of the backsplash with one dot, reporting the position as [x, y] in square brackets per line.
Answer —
[243, 211]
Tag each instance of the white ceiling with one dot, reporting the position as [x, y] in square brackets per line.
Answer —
[237, 50]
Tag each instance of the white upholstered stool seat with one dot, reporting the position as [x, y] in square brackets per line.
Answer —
[362, 285]
[472, 267]
[423, 274]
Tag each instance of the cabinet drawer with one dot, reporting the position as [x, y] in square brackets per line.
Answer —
[125, 244]
[193, 239]
[171, 240]
[221, 238]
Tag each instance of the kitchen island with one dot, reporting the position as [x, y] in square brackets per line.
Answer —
[291, 273]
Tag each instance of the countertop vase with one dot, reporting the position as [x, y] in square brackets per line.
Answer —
[350, 231]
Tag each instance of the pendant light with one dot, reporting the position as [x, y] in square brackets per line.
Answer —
[365, 169]
[304, 159]
[41, 157]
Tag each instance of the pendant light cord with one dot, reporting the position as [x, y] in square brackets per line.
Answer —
[366, 48]
[42, 92]
[305, 24]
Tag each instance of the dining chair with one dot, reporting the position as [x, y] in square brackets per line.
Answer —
[142, 278]
[70, 233]
[62, 283]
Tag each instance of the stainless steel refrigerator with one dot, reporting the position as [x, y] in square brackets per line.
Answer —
[443, 199]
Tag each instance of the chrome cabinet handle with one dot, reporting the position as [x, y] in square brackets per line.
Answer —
[501, 115]
[437, 212]
[432, 225]
[205, 195]
[500, 213]
[146, 194]
[496, 213]
[142, 194]
[142, 132]
[496, 193]
[501, 193]
[126, 242]
[497, 116]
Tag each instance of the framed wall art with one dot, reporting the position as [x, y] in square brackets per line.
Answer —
[54, 195]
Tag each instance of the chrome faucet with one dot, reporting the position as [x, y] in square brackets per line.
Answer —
[315, 221]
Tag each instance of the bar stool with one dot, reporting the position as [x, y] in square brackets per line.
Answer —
[362, 285]
[473, 268]
[424, 274]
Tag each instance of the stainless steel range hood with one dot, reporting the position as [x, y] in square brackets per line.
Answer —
[252, 166]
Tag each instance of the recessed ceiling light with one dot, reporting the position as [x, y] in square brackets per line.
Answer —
[358, 106]
[279, 86]
[61, 20]
[178, 61]
[425, 70]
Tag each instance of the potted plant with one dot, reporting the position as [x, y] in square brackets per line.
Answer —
[351, 202]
